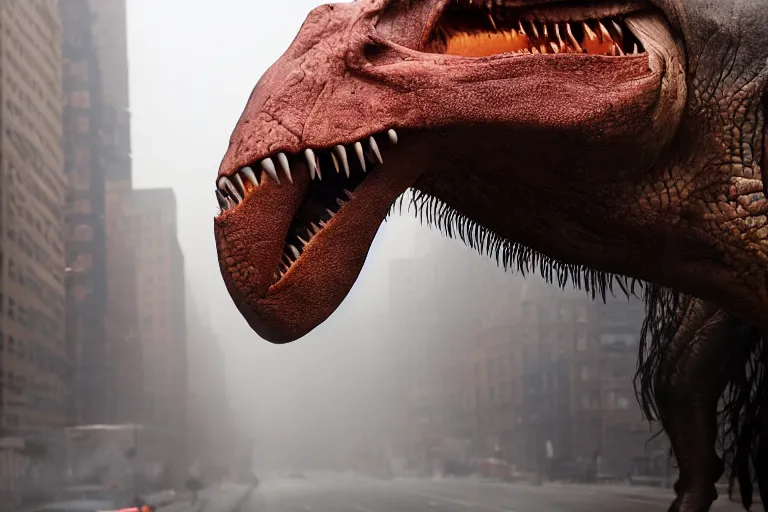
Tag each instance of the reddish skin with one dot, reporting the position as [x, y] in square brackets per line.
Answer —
[624, 164]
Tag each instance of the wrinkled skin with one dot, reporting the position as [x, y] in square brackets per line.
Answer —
[648, 166]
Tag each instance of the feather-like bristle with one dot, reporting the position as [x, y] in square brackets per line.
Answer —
[511, 255]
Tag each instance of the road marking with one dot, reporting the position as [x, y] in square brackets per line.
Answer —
[467, 504]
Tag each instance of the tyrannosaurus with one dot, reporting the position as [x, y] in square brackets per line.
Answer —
[600, 142]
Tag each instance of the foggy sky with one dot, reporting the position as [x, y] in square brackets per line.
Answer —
[193, 64]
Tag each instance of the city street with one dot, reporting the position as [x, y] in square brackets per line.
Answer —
[225, 498]
[342, 494]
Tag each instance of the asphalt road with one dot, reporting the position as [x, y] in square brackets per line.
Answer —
[355, 494]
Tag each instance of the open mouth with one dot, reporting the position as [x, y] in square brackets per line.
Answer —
[469, 29]
[334, 175]
[295, 227]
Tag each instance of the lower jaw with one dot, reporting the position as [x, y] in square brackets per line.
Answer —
[319, 281]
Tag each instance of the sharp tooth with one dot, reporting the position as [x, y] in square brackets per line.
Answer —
[335, 163]
[392, 134]
[250, 176]
[222, 201]
[348, 193]
[359, 152]
[522, 29]
[315, 227]
[317, 168]
[617, 28]
[303, 242]
[375, 149]
[555, 48]
[621, 52]
[231, 202]
[283, 161]
[604, 32]
[322, 222]
[240, 184]
[309, 155]
[341, 152]
[557, 33]
[546, 30]
[224, 182]
[535, 30]
[269, 167]
[634, 51]
[295, 251]
[340, 202]
[589, 31]
[330, 212]
[493, 23]
[534, 50]
[572, 39]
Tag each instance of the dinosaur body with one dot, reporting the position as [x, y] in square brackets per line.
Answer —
[597, 142]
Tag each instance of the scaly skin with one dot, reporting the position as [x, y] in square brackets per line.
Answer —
[646, 165]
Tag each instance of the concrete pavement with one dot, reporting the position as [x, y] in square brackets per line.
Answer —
[354, 494]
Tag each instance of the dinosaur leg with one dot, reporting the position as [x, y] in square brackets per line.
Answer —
[690, 380]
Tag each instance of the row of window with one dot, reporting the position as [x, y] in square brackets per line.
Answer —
[49, 78]
[17, 212]
[26, 276]
[32, 319]
[23, 108]
[47, 198]
[38, 355]
[10, 57]
[35, 162]
[33, 251]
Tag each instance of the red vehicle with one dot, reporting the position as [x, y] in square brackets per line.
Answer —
[497, 468]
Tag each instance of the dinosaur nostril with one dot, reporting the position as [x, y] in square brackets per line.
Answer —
[372, 51]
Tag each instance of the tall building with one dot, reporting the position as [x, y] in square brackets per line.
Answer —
[93, 400]
[35, 372]
[210, 416]
[109, 40]
[161, 312]
[35, 376]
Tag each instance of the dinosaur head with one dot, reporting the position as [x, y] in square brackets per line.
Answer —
[623, 137]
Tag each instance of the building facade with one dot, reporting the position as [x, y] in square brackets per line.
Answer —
[212, 433]
[35, 374]
[35, 371]
[94, 389]
[162, 319]
[556, 374]
[109, 37]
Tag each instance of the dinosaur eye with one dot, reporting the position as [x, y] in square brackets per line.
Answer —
[471, 30]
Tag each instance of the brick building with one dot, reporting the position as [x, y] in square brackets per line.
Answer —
[162, 319]
[93, 393]
[35, 374]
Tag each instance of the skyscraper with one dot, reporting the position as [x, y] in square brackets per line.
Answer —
[109, 36]
[94, 390]
[34, 371]
[162, 316]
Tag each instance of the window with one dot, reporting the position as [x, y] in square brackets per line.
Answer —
[622, 402]
[581, 341]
